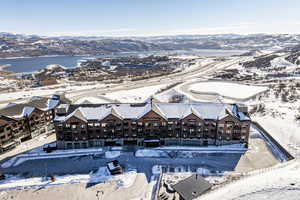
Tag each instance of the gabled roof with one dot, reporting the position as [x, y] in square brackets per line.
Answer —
[210, 111]
[76, 113]
[43, 103]
[17, 111]
[192, 187]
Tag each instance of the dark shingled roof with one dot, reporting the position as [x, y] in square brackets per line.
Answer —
[14, 110]
[192, 187]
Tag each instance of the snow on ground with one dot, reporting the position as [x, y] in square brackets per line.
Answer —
[93, 100]
[167, 95]
[203, 171]
[135, 95]
[150, 153]
[281, 62]
[112, 154]
[198, 64]
[188, 151]
[240, 146]
[283, 178]
[35, 155]
[227, 89]
[49, 90]
[284, 130]
[219, 66]
[102, 174]
[279, 120]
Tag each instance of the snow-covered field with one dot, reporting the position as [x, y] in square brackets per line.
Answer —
[135, 95]
[283, 179]
[102, 174]
[50, 90]
[227, 89]
[279, 120]
[93, 100]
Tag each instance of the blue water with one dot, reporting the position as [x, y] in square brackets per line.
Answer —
[34, 64]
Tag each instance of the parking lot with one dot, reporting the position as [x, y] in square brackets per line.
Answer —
[88, 163]
[258, 156]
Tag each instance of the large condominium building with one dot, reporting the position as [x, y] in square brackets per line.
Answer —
[20, 122]
[150, 124]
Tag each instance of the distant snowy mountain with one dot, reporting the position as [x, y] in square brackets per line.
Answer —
[17, 45]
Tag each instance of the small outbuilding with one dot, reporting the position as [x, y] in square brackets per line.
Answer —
[192, 187]
[114, 167]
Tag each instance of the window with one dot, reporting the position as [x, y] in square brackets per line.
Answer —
[229, 125]
[97, 124]
[90, 124]
[104, 124]
[228, 131]
[74, 126]
[177, 123]
[68, 125]
[221, 125]
[82, 126]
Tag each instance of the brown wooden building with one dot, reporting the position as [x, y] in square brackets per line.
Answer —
[20, 122]
[150, 124]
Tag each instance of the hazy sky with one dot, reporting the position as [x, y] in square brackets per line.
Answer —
[148, 17]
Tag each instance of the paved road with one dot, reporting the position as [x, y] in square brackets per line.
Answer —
[86, 164]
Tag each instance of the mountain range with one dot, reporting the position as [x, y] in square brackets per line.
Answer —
[18, 45]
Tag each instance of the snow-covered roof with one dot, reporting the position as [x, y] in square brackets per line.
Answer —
[17, 111]
[122, 111]
[210, 111]
[202, 110]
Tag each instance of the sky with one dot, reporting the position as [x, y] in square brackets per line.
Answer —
[148, 17]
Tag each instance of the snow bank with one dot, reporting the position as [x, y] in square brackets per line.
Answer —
[112, 154]
[101, 175]
[227, 89]
[238, 147]
[151, 153]
[203, 171]
[17, 160]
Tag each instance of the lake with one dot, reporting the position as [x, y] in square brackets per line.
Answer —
[22, 65]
